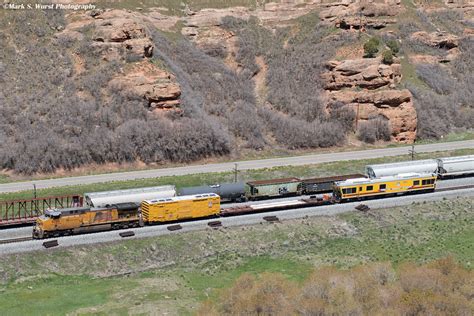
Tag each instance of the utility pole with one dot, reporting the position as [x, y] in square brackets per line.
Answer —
[235, 173]
[412, 152]
[357, 117]
[34, 190]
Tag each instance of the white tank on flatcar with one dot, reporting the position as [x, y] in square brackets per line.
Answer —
[451, 166]
[106, 198]
[391, 169]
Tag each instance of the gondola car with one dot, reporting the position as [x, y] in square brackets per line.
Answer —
[68, 221]
[325, 184]
[356, 189]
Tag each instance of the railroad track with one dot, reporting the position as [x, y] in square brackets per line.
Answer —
[13, 240]
[216, 224]
[461, 187]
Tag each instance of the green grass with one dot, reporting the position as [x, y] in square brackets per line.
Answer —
[59, 295]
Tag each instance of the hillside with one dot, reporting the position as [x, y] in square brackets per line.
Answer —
[158, 82]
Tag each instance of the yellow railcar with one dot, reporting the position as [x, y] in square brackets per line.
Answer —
[82, 219]
[393, 185]
[180, 207]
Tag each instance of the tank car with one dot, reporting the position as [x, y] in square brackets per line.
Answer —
[107, 198]
[229, 192]
[455, 166]
[390, 169]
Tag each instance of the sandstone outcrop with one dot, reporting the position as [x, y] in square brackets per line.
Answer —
[394, 105]
[204, 27]
[357, 14]
[122, 36]
[367, 73]
[368, 86]
[115, 33]
[436, 39]
[351, 22]
[147, 81]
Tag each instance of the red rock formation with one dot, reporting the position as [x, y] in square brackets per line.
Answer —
[146, 80]
[375, 99]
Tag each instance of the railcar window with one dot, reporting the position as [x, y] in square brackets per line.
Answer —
[383, 186]
[351, 190]
[370, 188]
[416, 182]
[360, 189]
[344, 191]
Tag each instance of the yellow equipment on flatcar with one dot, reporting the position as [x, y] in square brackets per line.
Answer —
[180, 207]
[392, 185]
[68, 221]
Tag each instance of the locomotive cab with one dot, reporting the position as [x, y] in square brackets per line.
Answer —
[45, 222]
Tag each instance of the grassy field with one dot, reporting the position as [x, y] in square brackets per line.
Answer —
[307, 171]
[174, 273]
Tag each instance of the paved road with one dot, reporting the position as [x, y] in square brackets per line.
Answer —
[251, 219]
[229, 166]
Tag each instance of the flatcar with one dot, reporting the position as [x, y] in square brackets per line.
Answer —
[107, 198]
[180, 208]
[356, 189]
[68, 221]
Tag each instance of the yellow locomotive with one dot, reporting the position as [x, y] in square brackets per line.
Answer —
[354, 189]
[68, 221]
[180, 207]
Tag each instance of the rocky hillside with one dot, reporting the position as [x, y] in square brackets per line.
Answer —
[160, 81]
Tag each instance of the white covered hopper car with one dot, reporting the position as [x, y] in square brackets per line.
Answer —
[454, 166]
[107, 198]
[443, 167]
[390, 169]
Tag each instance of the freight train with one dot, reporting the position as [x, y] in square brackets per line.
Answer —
[166, 209]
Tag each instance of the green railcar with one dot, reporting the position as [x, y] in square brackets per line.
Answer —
[255, 190]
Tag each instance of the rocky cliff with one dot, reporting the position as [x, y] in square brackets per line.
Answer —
[119, 35]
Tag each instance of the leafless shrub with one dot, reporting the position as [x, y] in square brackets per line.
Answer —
[343, 115]
[373, 130]
[436, 77]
